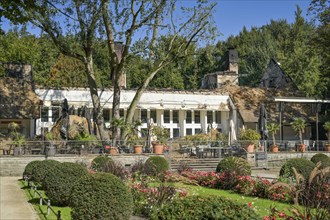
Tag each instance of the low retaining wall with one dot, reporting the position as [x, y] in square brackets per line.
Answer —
[14, 166]
[277, 159]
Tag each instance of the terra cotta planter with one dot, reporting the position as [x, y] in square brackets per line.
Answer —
[157, 148]
[249, 148]
[138, 149]
[274, 148]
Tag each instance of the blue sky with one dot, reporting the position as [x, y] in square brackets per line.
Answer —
[232, 15]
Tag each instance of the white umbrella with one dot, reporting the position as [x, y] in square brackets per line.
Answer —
[232, 133]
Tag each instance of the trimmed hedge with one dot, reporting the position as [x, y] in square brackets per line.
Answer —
[43, 169]
[28, 171]
[303, 166]
[101, 196]
[234, 164]
[99, 163]
[156, 165]
[324, 159]
[203, 207]
[59, 183]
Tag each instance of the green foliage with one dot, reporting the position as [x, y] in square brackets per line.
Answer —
[249, 135]
[59, 183]
[273, 128]
[156, 165]
[324, 159]
[327, 128]
[299, 125]
[198, 207]
[303, 166]
[28, 171]
[161, 133]
[43, 169]
[99, 163]
[101, 196]
[234, 164]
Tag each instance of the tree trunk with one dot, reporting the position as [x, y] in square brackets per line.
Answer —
[116, 106]
[95, 99]
[139, 93]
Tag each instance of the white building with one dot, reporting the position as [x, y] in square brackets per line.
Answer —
[182, 112]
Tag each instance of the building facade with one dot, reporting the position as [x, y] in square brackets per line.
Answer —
[182, 112]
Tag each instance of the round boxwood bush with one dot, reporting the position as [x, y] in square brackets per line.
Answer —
[303, 166]
[156, 165]
[234, 164]
[202, 207]
[28, 171]
[101, 196]
[324, 159]
[44, 168]
[59, 183]
[99, 163]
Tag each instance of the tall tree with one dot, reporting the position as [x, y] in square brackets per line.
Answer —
[181, 24]
[77, 18]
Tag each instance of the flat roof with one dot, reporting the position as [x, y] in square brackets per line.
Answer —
[300, 100]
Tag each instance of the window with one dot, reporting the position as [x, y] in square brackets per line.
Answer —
[55, 113]
[121, 112]
[153, 115]
[44, 114]
[106, 115]
[175, 114]
[218, 117]
[209, 117]
[197, 117]
[176, 132]
[188, 131]
[166, 116]
[144, 115]
[188, 117]
[198, 131]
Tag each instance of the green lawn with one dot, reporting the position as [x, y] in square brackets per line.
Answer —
[261, 206]
[42, 209]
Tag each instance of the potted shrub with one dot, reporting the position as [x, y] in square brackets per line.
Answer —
[162, 136]
[299, 125]
[249, 138]
[17, 137]
[327, 128]
[273, 128]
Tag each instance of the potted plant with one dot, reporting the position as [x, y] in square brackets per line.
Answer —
[326, 126]
[298, 126]
[273, 128]
[162, 135]
[249, 138]
[17, 137]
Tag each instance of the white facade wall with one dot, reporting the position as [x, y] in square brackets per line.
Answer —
[158, 101]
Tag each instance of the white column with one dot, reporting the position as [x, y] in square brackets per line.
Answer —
[182, 122]
[160, 117]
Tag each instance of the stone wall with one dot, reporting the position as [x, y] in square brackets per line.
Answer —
[276, 160]
[14, 166]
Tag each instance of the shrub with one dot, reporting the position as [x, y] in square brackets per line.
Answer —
[156, 165]
[99, 163]
[59, 183]
[116, 169]
[303, 166]
[198, 207]
[324, 159]
[101, 196]
[28, 171]
[234, 164]
[43, 169]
